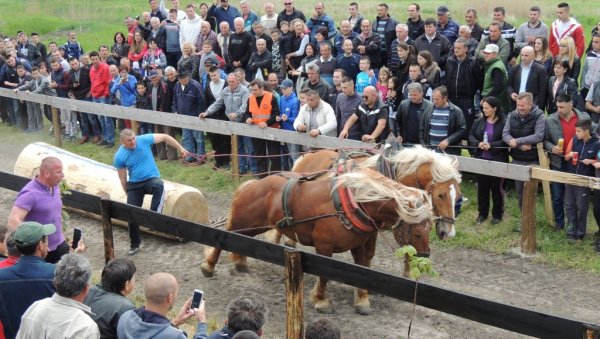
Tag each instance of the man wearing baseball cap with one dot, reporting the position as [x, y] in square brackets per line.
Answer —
[31, 274]
[445, 25]
[495, 77]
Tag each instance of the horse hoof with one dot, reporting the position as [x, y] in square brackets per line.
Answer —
[241, 268]
[207, 270]
[363, 310]
[324, 308]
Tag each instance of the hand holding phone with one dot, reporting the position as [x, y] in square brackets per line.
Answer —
[196, 299]
[76, 237]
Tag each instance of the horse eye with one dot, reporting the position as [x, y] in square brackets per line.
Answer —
[442, 195]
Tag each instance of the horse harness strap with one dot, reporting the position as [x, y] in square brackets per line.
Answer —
[349, 212]
[288, 218]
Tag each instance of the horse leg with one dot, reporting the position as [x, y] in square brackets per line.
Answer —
[211, 257]
[240, 261]
[317, 294]
[273, 236]
[362, 256]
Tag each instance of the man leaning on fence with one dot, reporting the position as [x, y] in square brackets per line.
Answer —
[524, 128]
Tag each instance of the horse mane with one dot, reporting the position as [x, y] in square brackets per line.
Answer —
[408, 160]
[414, 205]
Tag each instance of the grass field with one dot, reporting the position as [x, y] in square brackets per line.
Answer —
[97, 21]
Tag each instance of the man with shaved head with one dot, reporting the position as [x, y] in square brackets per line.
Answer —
[40, 201]
[372, 115]
[528, 76]
[150, 320]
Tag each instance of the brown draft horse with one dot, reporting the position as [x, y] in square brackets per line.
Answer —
[416, 167]
[310, 213]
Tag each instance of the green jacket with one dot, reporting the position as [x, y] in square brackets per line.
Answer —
[488, 85]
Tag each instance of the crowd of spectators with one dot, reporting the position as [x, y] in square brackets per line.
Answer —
[422, 81]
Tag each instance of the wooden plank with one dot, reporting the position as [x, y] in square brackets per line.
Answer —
[545, 164]
[565, 178]
[504, 316]
[107, 231]
[466, 164]
[56, 128]
[494, 168]
[294, 288]
[528, 244]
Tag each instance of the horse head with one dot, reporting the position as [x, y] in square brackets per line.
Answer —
[416, 235]
[444, 196]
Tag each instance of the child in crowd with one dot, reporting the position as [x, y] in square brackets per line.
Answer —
[39, 85]
[366, 77]
[415, 74]
[382, 82]
[275, 52]
[143, 101]
[581, 155]
[289, 106]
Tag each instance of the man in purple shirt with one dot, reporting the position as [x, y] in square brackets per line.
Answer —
[40, 201]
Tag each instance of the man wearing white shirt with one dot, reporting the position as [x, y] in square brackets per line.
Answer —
[189, 28]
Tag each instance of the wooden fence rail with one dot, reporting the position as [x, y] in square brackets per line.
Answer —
[508, 317]
[465, 164]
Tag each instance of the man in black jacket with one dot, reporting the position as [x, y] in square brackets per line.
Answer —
[28, 51]
[463, 78]
[434, 42]
[79, 89]
[524, 128]
[241, 46]
[528, 76]
[444, 126]
[416, 25]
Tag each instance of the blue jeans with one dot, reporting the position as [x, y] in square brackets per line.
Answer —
[557, 191]
[89, 123]
[12, 106]
[289, 154]
[245, 147]
[193, 142]
[107, 123]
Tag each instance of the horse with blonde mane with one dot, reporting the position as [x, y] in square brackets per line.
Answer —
[417, 167]
[345, 217]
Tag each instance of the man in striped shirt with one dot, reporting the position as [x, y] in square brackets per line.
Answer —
[445, 126]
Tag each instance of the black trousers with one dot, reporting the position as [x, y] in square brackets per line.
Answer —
[485, 185]
[135, 196]
[221, 143]
[466, 104]
[54, 256]
[261, 147]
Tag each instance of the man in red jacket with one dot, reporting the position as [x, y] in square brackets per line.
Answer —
[100, 78]
[565, 26]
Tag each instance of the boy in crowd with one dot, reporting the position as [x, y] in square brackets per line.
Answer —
[581, 155]
[365, 77]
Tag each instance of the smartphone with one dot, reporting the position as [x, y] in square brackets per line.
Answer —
[76, 237]
[196, 299]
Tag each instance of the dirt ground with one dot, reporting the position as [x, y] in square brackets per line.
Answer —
[503, 278]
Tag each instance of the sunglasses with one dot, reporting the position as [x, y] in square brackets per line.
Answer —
[287, 3]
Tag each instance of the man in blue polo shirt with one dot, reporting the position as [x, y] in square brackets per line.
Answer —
[134, 158]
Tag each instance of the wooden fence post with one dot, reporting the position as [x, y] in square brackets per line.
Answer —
[107, 230]
[294, 288]
[235, 162]
[528, 222]
[591, 331]
[545, 164]
[56, 126]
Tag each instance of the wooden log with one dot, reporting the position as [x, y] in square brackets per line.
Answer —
[565, 178]
[545, 164]
[528, 245]
[294, 287]
[89, 176]
[56, 128]
[107, 231]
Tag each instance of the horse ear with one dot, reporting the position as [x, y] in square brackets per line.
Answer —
[429, 187]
